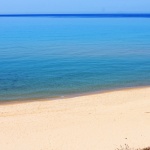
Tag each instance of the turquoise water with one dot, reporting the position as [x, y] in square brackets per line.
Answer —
[45, 57]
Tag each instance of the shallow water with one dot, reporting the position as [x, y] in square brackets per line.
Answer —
[43, 57]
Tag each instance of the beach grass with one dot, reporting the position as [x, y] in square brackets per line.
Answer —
[126, 147]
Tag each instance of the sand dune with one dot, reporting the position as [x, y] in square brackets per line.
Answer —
[92, 122]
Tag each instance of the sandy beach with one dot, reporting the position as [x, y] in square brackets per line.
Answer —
[92, 122]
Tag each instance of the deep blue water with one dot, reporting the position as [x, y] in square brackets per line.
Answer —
[102, 15]
[42, 57]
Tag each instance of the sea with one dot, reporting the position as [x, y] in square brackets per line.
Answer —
[48, 57]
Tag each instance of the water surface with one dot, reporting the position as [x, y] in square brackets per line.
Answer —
[45, 57]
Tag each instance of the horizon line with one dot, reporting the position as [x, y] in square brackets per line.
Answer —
[147, 15]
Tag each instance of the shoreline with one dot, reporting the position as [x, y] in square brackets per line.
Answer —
[10, 102]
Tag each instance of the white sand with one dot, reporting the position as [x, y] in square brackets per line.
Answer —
[92, 122]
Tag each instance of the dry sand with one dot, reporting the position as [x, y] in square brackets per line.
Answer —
[92, 122]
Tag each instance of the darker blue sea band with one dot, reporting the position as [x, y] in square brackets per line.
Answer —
[80, 15]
